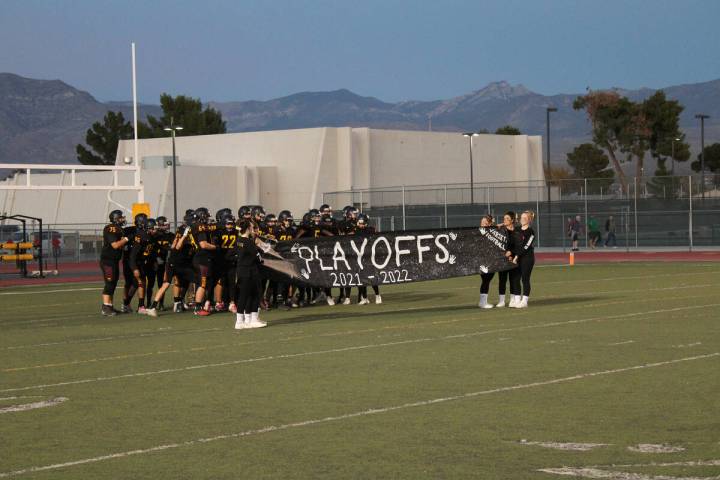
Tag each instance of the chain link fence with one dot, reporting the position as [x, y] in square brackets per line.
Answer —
[649, 212]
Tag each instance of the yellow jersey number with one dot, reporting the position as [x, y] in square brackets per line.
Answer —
[228, 241]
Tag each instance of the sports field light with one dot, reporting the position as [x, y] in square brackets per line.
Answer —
[173, 129]
[470, 136]
[702, 117]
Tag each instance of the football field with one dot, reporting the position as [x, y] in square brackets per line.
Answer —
[613, 372]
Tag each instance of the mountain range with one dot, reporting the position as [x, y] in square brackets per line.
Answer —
[41, 121]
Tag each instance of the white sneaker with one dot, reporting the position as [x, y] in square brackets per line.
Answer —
[151, 312]
[378, 300]
[523, 303]
[330, 301]
[500, 305]
[364, 301]
[239, 321]
[483, 301]
[346, 301]
[513, 302]
[255, 320]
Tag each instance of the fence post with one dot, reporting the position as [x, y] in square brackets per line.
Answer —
[445, 203]
[361, 201]
[586, 215]
[690, 216]
[487, 194]
[636, 212]
[403, 207]
[537, 209]
[392, 223]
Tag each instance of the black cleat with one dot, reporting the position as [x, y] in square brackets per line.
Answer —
[108, 311]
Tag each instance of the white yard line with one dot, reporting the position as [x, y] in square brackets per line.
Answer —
[345, 333]
[84, 289]
[116, 337]
[361, 413]
[353, 348]
[33, 406]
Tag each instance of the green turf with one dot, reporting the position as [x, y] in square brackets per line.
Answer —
[329, 377]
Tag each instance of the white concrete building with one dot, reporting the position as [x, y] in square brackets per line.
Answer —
[280, 169]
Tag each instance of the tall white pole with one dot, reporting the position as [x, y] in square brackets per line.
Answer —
[138, 181]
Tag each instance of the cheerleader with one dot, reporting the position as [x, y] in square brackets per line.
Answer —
[506, 228]
[486, 278]
[248, 278]
[525, 257]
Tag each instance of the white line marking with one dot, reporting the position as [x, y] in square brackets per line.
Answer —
[362, 413]
[589, 472]
[655, 448]
[162, 331]
[578, 447]
[689, 345]
[34, 405]
[349, 349]
[626, 342]
[86, 289]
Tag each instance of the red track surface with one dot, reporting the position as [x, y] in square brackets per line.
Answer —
[90, 272]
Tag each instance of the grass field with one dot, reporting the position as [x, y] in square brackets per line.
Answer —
[424, 386]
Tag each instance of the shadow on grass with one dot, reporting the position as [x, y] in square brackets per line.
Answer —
[566, 300]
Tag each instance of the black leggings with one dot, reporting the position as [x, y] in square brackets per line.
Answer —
[502, 281]
[248, 291]
[526, 262]
[362, 291]
[486, 278]
[515, 281]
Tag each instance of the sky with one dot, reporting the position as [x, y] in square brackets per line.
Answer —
[391, 49]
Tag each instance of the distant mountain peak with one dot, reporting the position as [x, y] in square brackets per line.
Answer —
[501, 90]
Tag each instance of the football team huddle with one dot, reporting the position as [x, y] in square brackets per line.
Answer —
[218, 258]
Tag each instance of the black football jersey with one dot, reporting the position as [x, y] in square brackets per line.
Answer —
[111, 234]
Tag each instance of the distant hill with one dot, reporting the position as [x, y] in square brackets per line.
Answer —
[41, 121]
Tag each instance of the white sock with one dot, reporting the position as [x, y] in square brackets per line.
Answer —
[483, 299]
[501, 299]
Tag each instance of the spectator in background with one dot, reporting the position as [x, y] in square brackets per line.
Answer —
[610, 232]
[55, 246]
[573, 231]
[594, 232]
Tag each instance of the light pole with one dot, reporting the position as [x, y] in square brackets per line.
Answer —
[672, 156]
[470, 136]
[172, 129]
[548, 111]
[702, 118]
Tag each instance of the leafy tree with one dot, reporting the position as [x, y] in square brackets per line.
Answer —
[103, 138]
[589, 161]
[508, 130]
[185, 111]
[634, 129]
[712, 159]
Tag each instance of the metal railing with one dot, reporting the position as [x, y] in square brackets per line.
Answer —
[671, 211]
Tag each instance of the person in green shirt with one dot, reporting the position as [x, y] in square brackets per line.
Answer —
[593, 231]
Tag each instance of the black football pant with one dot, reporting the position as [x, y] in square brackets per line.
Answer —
[111, 275]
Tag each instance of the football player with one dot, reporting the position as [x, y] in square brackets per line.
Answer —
[114, 241]
[130, 286]
[224, 269]
[141, 248]
[164, 239]
[364, 228]
[202, 260]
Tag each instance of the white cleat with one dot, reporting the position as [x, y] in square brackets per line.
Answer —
[330, 301]
[500, 305]
[378, 299]
[255, 321]
[152, 312]
[523, 303]
[346, 301]
[239, 321]
[486, 305]
[364, 301]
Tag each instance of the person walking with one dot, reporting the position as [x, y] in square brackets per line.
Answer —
[574, 229]
[610, 232]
